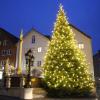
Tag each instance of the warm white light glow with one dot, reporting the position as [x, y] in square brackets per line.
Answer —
[39, 49]
[81, 45]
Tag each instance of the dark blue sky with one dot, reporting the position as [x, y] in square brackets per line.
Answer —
[41, 14]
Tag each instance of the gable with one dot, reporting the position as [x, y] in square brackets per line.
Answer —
[40, 39]
[37, 32]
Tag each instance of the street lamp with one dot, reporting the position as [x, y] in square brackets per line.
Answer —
[27, 58]
[29, 61]
[32, 60]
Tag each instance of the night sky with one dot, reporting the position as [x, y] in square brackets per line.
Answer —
[41, 14]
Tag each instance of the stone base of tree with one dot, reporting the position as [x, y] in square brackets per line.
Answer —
[62, 93]
[26, 93]
[39, 93]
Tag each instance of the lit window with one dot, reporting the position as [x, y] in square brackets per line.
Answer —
[33, 39]
[38, 63]
[39, 49]
[81, 45]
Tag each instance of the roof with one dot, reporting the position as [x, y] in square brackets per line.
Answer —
[80, 31]
[3, 31]
[47, 36]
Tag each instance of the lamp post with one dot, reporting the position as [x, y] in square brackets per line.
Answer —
[29, 61]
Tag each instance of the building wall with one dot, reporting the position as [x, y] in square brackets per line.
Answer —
[40, 41]
[81, 38]
[7, 48]
[96, 60]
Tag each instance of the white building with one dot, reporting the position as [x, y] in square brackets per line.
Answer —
[38, 43]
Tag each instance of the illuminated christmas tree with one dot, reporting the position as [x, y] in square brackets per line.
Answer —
[65, 65]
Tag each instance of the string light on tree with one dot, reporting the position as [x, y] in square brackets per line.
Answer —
[65, 64]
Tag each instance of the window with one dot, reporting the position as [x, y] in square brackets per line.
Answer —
[6, 52]
[33, 39]
[4, 42]
[39, 49]
[2, 62]
[38, 63]
[81, 45]
[9, 52]
[3, 52]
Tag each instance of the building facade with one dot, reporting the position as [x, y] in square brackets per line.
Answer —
[8, 48]
[85, 44]
[96, 61]
[38, 43]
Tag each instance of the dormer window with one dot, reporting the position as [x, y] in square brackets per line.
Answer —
[6, 52]
[33, 39]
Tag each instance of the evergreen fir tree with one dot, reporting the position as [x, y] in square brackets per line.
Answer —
[65, 65]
